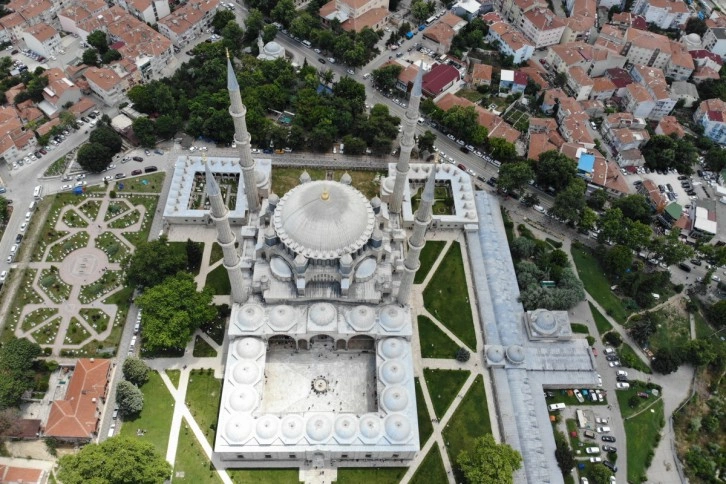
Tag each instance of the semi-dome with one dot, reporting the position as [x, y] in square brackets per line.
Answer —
[346, 428]
[248, 348]
[260, 177]
[362, 318]
[392, 318]
[322, 314]
[370, 427]
[392, 372]
[237, 430]
[319, 427]
[392, 348]
[281, 317]
[280, 269]
[244, 399]
[495, 354]
[394, 399]
[515, 354]
[250, 317]
[292, 428]
[398, 428]
[246, 373]
[366, 268]
[267, 427]
[324, 219]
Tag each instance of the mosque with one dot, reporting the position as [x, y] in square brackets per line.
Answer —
[319, 365]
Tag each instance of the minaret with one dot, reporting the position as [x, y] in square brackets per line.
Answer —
[225, 238]
[409, 128]
[238, 111]
[421, 221]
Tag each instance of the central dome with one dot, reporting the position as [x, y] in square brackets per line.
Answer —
[324, 219]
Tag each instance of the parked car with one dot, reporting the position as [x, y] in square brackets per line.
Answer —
[136, 172]
[120, 175]
[3, 276]
[610, 466]
[621, 385]
[138, 158]
[608, 438]
[609, 448]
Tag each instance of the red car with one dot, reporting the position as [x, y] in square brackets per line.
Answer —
[461, 166]
[594, 351]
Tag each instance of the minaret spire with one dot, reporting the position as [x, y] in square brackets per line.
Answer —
[421, 222]
[407, 143]
[225, 237]
[238, 111]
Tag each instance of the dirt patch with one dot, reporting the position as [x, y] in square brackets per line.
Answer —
[35, 449]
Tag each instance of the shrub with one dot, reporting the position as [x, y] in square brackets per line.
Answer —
[463, 355]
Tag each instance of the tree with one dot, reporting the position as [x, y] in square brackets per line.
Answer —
[152, 262]
[135, 371]
[513, 176]
[106, 136]
[717, 314]
[90, 57]
[110, 55]
[597, 199]
[129, 398]
[194, 255]
[94, 157]
[463, 355]
[670, 248]
[613, 338]
[173, 310]
[144, 130]
[570, 202]
[563, 454]
[599, 474]
[97, 39]
[221, 19]
[117, 460]
[695, 25]
[16, 360]
[284, 12]
[634, 207]
[421, 9]
[555, 170]
[502, 150]
[642, 328]
[715, 159]
[426, 141]
[354, 145]
[166, 126]
[386, 77]
[617, 260]
[489, 462]
[665, 152]
[254, 23]
[700, 352]
[665, 361]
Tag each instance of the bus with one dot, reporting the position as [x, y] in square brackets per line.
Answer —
[431, 19]
[38, 192]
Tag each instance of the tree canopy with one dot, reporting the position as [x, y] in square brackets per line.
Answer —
[666, 152]
[135, 371]
[154, 261]
[514, 175]
[555, 170]
[489, 462]
[129, 398]
[117, 460]
[173, 310]
[16, 360]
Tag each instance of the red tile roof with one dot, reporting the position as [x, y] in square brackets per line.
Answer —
[439, 76]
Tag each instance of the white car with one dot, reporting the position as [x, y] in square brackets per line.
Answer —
[603, 430]
[621, 385]
[3, 276]
[107, 178]
[65, 188]
[539, 208]
[595, 459]
[621, 373]
[601, 420]
[81, 184]
[202, 148]
[614, 364]
[599, 381]
[111, 167]
[192, 148]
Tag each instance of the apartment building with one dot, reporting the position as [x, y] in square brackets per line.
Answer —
[355, 15]
[603, 89]
[669, 125]
[42, 39]
[574, 129]
[704, 58]
[106, 84]
[13, 27]
[59, 92]
[513, 10]
[714, 40]
[542, 27]
[654, 81]
[594, 60]
[581, 22]
[188, 22]
[510, 41]
[579, 83]
[711, 114]
[35, 11]
[481, 75]
[680, 66]
[647, 48]
[81, 13]
[15, 142]
[149, 11]
[551, 98]
[665, 14]
[623, 131]
[686, 91]
[637, 100]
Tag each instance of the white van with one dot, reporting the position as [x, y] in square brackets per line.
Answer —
[557, 406]
[28, 216]
[603, 430]
[366, 75]
[32, 206]
[307, 43]
[593, 450]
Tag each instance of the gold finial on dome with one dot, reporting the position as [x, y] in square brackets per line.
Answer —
[325, 195]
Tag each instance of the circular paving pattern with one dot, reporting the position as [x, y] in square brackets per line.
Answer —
[83, 266]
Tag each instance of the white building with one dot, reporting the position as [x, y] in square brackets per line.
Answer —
[106, 84]
[542, 27]
[711, 114]
[510, 41]
[42, 39]
[714, 40]
[665, 14]
[148, 11]
[189, 21]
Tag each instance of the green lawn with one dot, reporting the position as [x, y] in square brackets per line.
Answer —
[703, 330]
[218, 280]
[370, 475]
[284, 179]
[580, 328]
[429, 254]
[425, 427]
[446, 297]
[434, 342]
[203, 395]
[630, 359]
[624, 396]
[673, 332]
[143, 184]
[470, 421]
[155, 418]
[174, 376]
[431, 470]
[597, 285]
[444, 386]
[202, 349]
[603, 325]
[643, 433]
[216, 253]
[192, 464]
[264, 476]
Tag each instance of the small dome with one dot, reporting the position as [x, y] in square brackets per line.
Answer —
[346, 179]
[319, 427]
[346, 428]
[362, 318]
[246, 373]
[471, 214]
[292, 428]
[693, 38]
[392, 372]
[250, 317]
[249, 348]
[495, 354]
[304, 177]
[370, 427]
[237, 430]
[398, 428]
[272, 48]
[322, 314]
[375, 202]
[394, 399]
[544, 322]
[515, 354]
[281, 317]
[273, 199]
[267, 427]
[389, 183]
[244, 399]
[392, 318]
[392, 348]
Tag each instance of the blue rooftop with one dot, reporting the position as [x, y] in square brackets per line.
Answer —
[586, 163]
